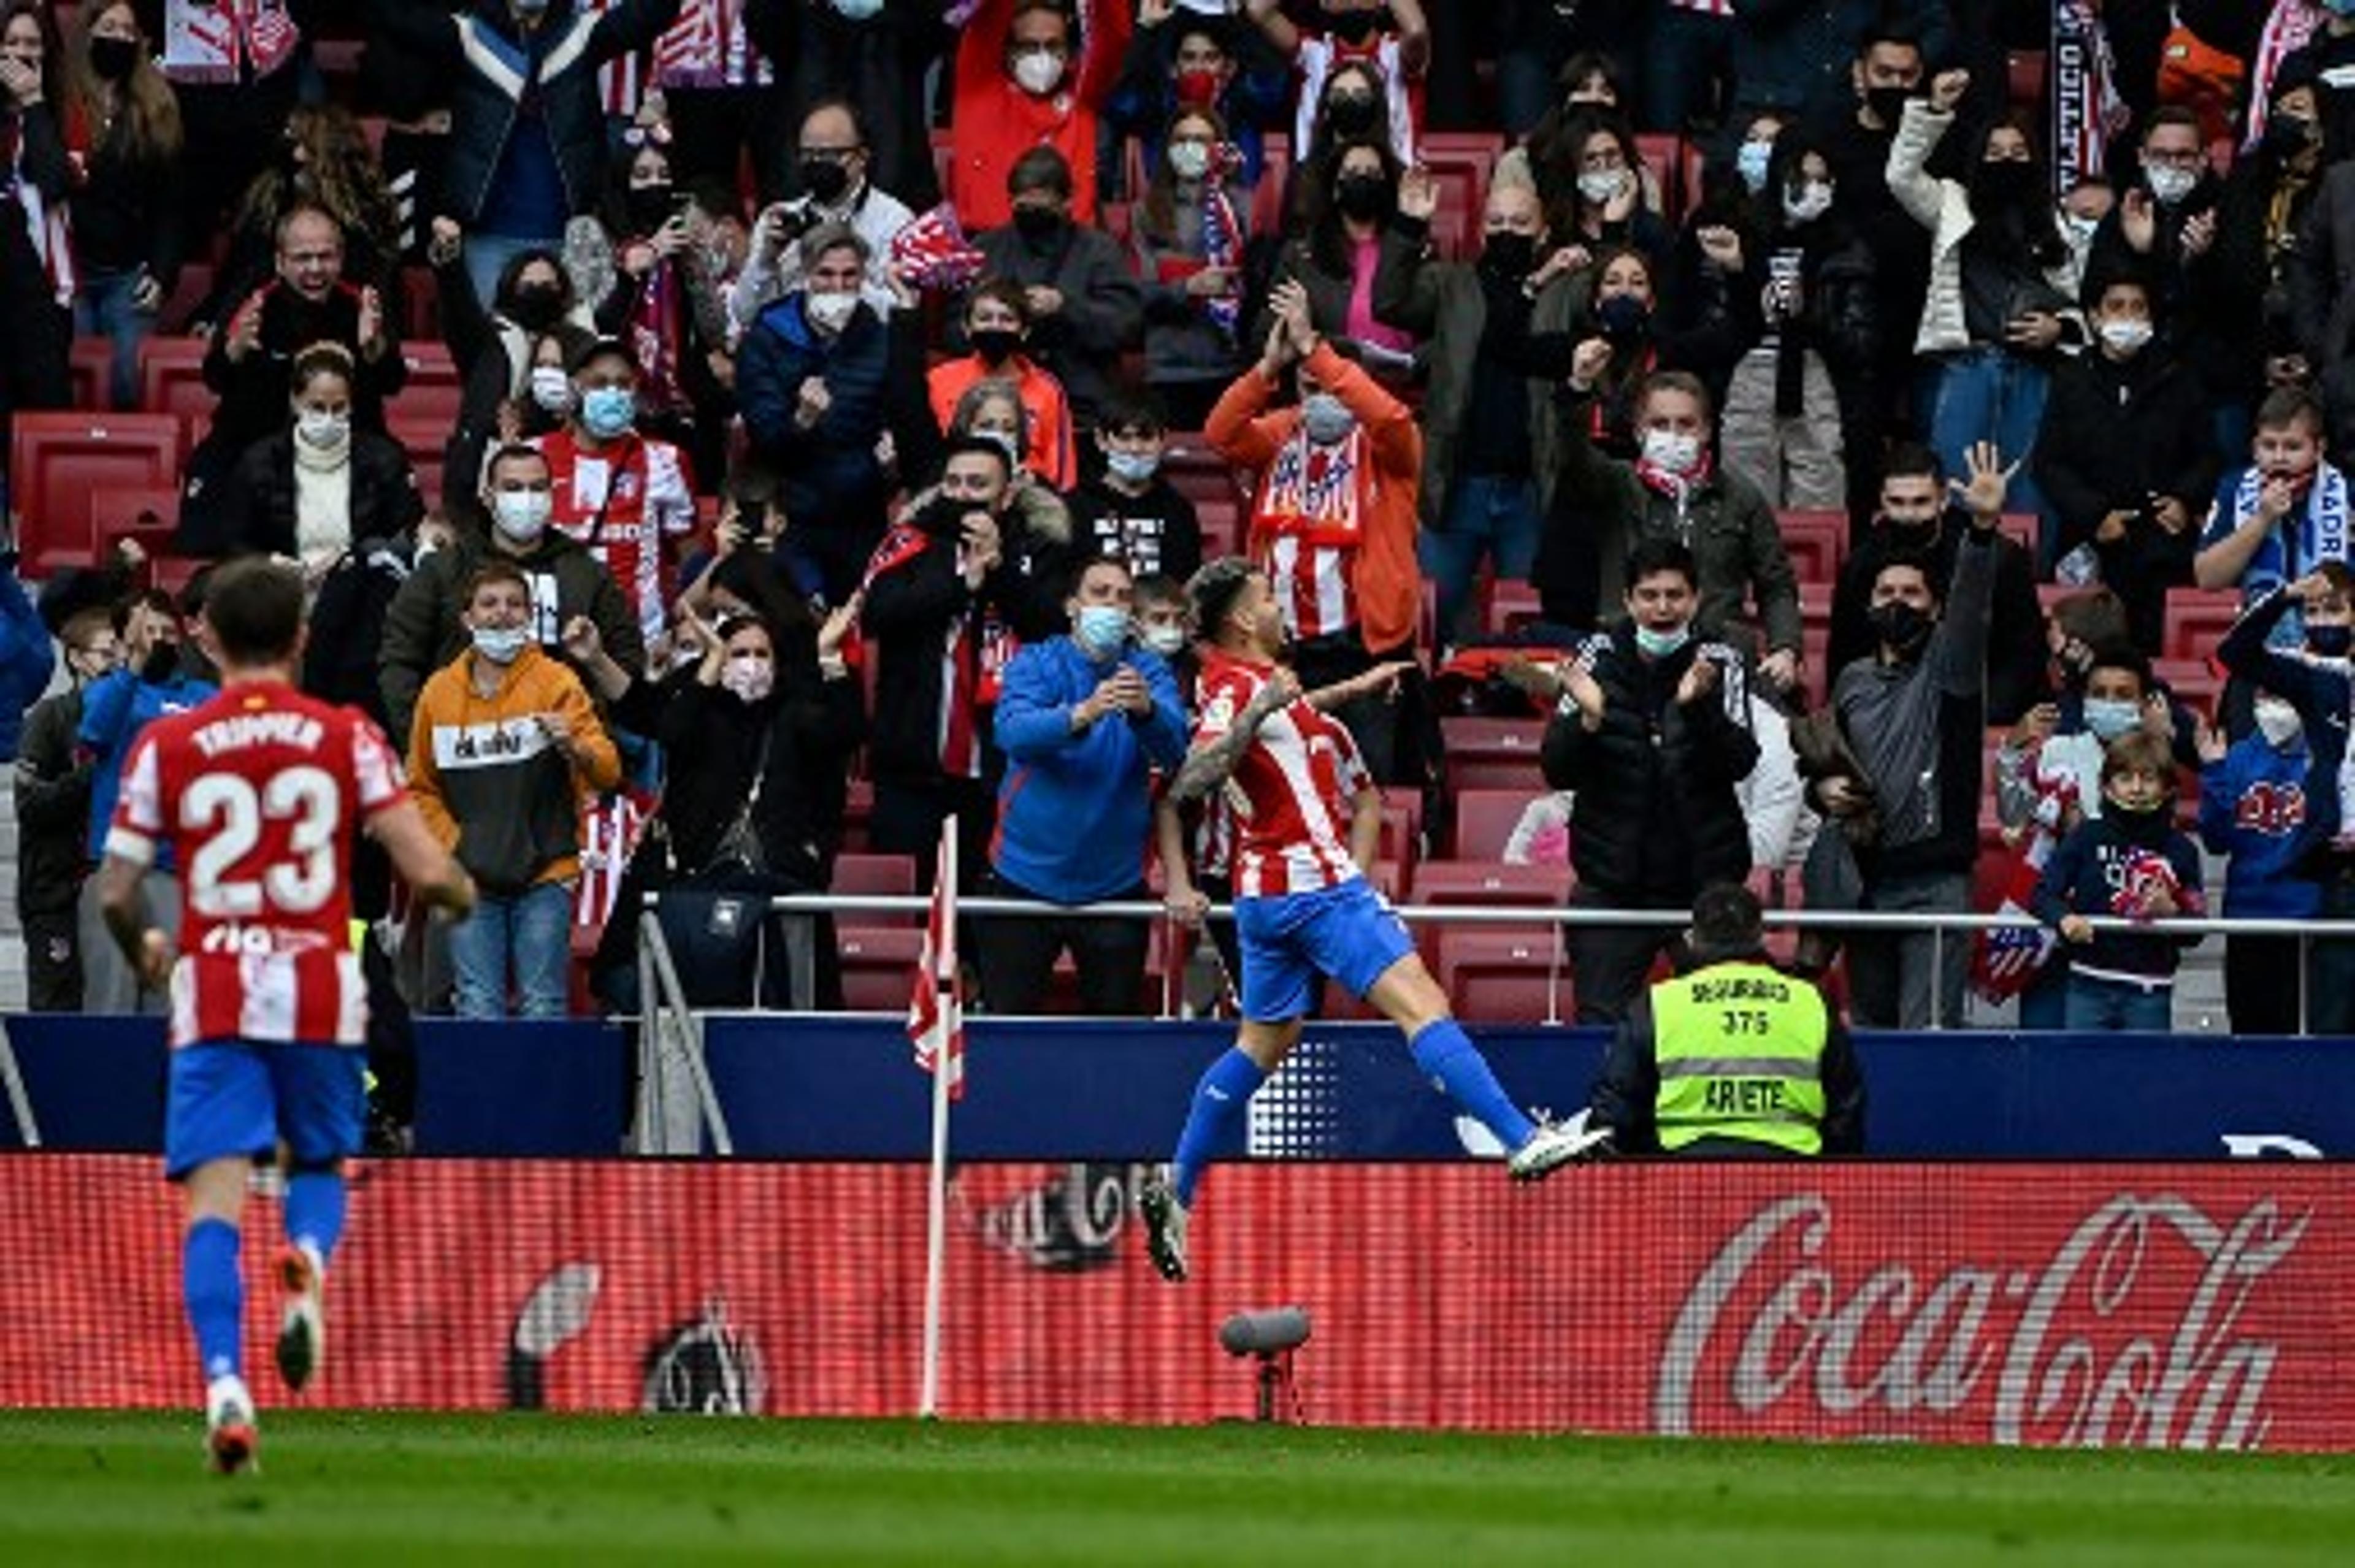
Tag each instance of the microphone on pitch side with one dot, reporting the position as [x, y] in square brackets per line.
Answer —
[1267, 1331]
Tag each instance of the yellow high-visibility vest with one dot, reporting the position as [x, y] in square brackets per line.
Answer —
[1741, 1051]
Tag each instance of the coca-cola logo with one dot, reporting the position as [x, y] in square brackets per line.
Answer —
[2135, 1332]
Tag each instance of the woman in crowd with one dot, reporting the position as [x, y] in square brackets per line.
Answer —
[1348, 200]
[123, 121]
[315, 488]
[36, 265]
[1188, 235]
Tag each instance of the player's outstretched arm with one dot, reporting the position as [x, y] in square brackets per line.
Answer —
[149, 950]
[432, 871]
[1209, 763]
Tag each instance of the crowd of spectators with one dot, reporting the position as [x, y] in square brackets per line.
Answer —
[820, 373]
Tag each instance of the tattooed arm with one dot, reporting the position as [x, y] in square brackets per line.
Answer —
[1208, 764]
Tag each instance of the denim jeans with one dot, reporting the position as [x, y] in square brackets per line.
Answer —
[1486, 516]
[532, 930]
[103, 309]
[2110, 1007]
[1987, 394]
[487, 256]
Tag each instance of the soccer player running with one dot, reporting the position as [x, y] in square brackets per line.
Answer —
[1303, 906]
[257, 792]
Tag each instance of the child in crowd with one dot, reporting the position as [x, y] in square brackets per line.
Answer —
[2252, 808]
[1130, 510]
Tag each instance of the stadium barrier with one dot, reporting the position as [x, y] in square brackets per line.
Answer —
[2177, 1306]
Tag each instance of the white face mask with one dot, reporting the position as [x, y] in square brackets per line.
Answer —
[1036, 72]
[1133, 467]
[2278, 721]
[1189, 160]
[1750, 161]
[2079, 229]
[551, 389]
[1599, 186]
[521, 515]
[2125, 337]
[831, 313]
[501, 645]
[2170, 184]
[1166, 641]
[321, 431]
[1671, 451]
[747, 677]
[1806, 203]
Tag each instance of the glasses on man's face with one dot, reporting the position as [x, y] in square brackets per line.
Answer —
[831, 155]
[312, 258]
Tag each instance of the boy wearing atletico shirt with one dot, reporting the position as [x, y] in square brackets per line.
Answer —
[257, 793]
[1303, 906]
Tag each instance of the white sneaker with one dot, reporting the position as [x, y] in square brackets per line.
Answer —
[1164, 1227]
[1555, 1144]
[231, 1444]
[303, 1330]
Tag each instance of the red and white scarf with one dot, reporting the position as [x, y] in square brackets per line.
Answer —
[2086, 109]
[2290, 27]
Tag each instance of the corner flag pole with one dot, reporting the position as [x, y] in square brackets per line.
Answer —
[945, 1064]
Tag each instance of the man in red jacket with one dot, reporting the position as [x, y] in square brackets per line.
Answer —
[1030, 73]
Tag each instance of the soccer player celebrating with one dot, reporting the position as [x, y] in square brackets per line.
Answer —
[257, 792]
[1303, 906]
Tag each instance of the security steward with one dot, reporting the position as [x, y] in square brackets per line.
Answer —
[1731, 1058]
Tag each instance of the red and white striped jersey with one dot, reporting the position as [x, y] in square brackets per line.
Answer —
[259, 793]
[1291, 791]
[623, 502]
[1310, 511]
[710, 47]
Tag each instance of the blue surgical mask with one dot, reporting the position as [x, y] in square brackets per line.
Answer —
[2109, 717]
[1751, 162]
[1326, 419]
[1133, 467]
[1102, 630]
[501, 645]
[1660, 645]
[608, 412]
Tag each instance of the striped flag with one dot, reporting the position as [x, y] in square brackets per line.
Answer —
[1222, 238]
[2086, 109]
[935, 1017]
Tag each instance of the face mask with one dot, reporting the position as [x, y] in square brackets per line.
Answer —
[1887, 103]
[1005, 442]
[1351, 115]
[1037, 224]
[1166, 641]
[2107, 718]
[551, 389]
[996, 344]
[1900, 626]
[2287, 135]
[2078, 228]
[826, 181]
[1622, 318]
[521, 515]
[111, 59]
[1100, 630]
[531, 7]
[1133, 467]
[1036, 74]
[1189, 160]
[2006, 181]
[2125, 337]
[831, 313]
[751, 679]
[501, 645]
[2278, 722]
[1198, 89]
[649, 207]
[857, 10]
[2330, 642]
[163, 663]
[1806, 203]
[1508, 255]
[1365, 197]
[2169, 184]
[1326, 419]
[608, 412]
[1599, 186]
[2135, 818]
[321, 430]
[1750, 161]
[1660, 645]
[535, 306]
[1671, 451]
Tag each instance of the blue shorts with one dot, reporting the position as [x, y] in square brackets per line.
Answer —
[238, 1099]
[1288, 940]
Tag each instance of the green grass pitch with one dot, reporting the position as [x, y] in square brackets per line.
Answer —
[339, 1490]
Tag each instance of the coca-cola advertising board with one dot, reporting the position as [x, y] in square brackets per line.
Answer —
[2194, 1306]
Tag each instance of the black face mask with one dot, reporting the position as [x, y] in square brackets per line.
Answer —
[649, 208]
[1888, 103]
[2148, 826]
[2008, 183]
[996, 344]
[163, 664]
[1352, 114]
[1037, 224]
[2288, 135]
[1365, 197]
[535, 307]
[943, 516]
[826, 181]
[111, 59]
[1623, 319]
[1900, 626]
[2330, 642]
[1508, 255]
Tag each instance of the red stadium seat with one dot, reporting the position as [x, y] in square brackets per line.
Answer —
[117, 513]
[433, 391]
[195, 286]
[1402, 840]
[57, 459]
[2024, 528]
[2196, 683]
[1493, 977]
[1493, 753]
[1491, 883]
[858, 807]
[878, 966]
[875, 876]
[172, 381]
[2197, 620]
[1485, 820]
[1816, 542]
[1221, 522]
[1512, 605]
[91, 361]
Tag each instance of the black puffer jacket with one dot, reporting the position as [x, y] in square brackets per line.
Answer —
[263, 495]
[1656, 818]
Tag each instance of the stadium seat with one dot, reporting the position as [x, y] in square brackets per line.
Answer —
[858, 805]
[876, 876]
[2025, 528]
[59, 458]
[1402, 839]
[1493, 977]
[878, 967]
[1472, 884]
[89, 362]
[172, 381]
[116, 513]
[1493, 753]
[1512, 605]
[1275, 185]
[2197, 620]
[2048, 594]
[194, 287]
[1675, 166]
[2196, 683]
[1485, 820]
[1817, 541]
[425, 441]
[433, 391]
[1221, 522]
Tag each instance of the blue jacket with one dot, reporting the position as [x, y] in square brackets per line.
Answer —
[2320, 688]
[1075, 811]
[2253, 807]
[114, 708]
[26, 656]
[832, 463]
[2084, 875]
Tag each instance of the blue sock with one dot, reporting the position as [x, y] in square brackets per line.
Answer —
[215, 1292]
[1217, 1109]
[1447, 1056]
[315, 1209]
